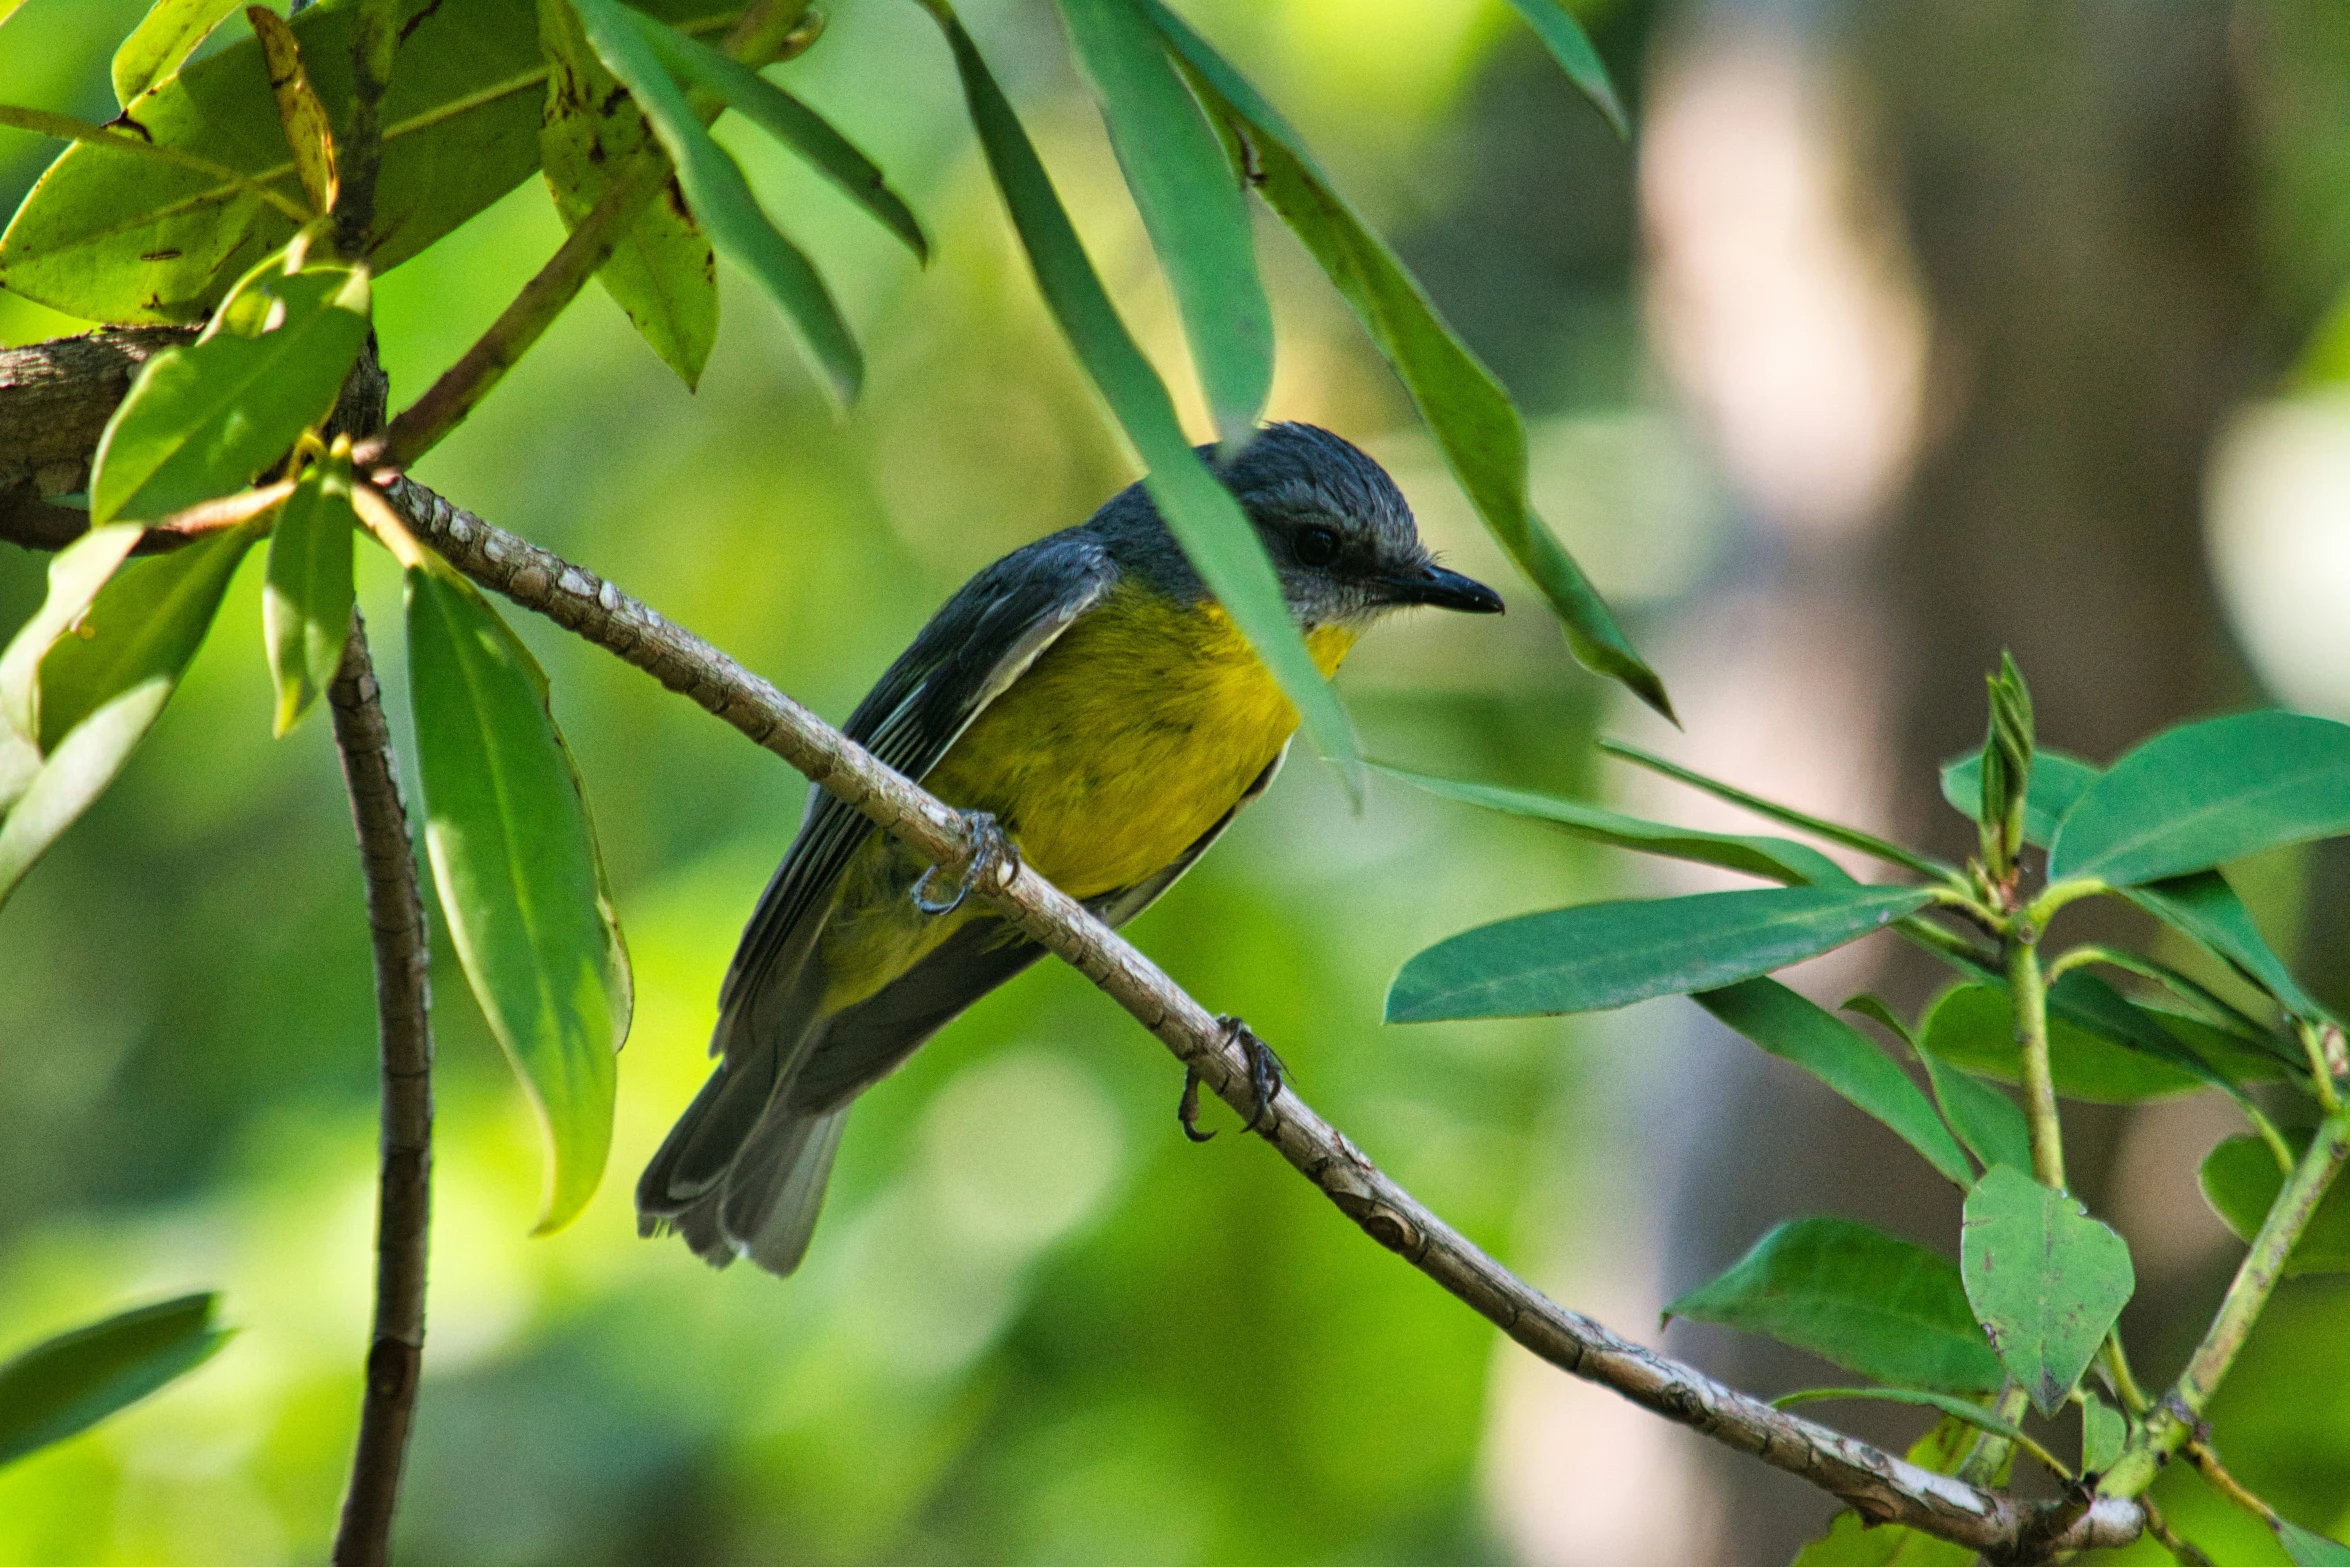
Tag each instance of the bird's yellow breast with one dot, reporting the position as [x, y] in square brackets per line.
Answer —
[1127, 739]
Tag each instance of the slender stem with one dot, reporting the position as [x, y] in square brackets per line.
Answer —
[2184, 1552]
[403, 1000]
[2030, 991]
[2216, 1474]
[1982, 1466]
[2044, 907]
[2124, 1380]
[2172, 1422]
[2321, 1069]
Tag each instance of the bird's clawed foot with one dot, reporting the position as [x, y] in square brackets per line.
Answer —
[992, 858]
[1266, 1073]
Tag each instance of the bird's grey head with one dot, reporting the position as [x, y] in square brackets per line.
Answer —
[1339, 532]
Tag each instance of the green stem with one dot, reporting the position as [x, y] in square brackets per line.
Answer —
[2044, 907]
[2217, 1010]
[2030, 991]
[1982, 1466]
[2321, 1071]
[2173, 1421]
[2125, 1381]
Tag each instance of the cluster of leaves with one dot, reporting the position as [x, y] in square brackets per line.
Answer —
[2031, 1302]
[217, 197]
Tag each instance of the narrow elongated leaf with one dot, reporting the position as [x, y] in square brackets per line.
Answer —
[1571, 47]
[2203, 794]
[514, 857]
[721, 198]
[2044, 1279]
[1854, 1541]
[103, 685]
[1474, 423]
[69, 1383]
[2241, 1181]
[161, 41]
[1199, 511]
[110, 235]
[1832, 1050]
[1817, 826]
[1191, 204]
[202, 420]
[1985, 1119]
[2057, 781]
[1600, 955]
[662, 273]
[2205, 909]
[306, 597]
[1774, 859]
[2309, 1549]
[1856, 1297]
[308, 135]
[2088, 1002]
[790, 122]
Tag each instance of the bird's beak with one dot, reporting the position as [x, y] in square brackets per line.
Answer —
[1432, 584]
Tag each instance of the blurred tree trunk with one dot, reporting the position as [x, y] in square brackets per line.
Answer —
[2077, 202]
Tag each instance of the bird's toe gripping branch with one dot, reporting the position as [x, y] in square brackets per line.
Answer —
[1266, 1074]
[992, 856]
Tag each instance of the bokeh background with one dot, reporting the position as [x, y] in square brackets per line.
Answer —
[1900, 332]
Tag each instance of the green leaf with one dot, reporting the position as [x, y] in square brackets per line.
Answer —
[1832, 1050]
[2204, 794]
[1471, 417]
[792, 123]
[103, 684]
[75, 576]
[1774, 859]
[2205, 909]
[2045, 1280]
[721, 198]
[1571, 47]
[307, 595]
[1973, 1027]
[662, 273]
[514, 858]
[1599, 955]
[1817, 826]
[2057, 781]
[161, 41]
[2308, 1549]
[1191, 202]
[1985, 1119]
[1854, 1541]
[111, 235]
[1205, 519]
[2088, 1002]
[2103, 1431]
[2241, 1181]
[1856, 1297]
[71, 1382]
[201, 421]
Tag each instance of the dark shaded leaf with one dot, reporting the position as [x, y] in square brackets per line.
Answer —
[2045, 1280]
[1774, 859]
[161, 41]
[1571, 47]
[2204, 794]
[1471, 417]
[514, 857]
[1973, 1027]
[2057, 781]
[2205, 909]
[1832, 1050]
[2241, 1181]
[1199, 511]
[1600, 955]
[1858, 1298]
[307, 595]
[69, 1383]
[203, 420]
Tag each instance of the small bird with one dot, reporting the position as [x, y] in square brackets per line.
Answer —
[1089, 695]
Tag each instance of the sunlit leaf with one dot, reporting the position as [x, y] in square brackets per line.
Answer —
[2207, 793]
[1832, 1050]
[103, 683]
[1191, 203]
[202, 420]
[161, 41]
[1774, 859]
[307, 595]
[661, 273]
[1595, 956]
[792, 123]
[2241, 1181]
[308, 135]
[1474, 423]
[1198, 510]
[721, 198]
[1856, 1297]
[2044, 1279]
[514, 858]
[2205, 909]
[109, 235]
[2057, 781]
[1571, 47]
[71, 1382]
[75, 575]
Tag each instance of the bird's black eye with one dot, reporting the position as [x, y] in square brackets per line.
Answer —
[1315, 545]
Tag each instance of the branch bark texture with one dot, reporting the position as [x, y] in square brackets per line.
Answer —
[403, 1001]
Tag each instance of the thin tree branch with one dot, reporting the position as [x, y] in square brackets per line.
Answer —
[403, 1001]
